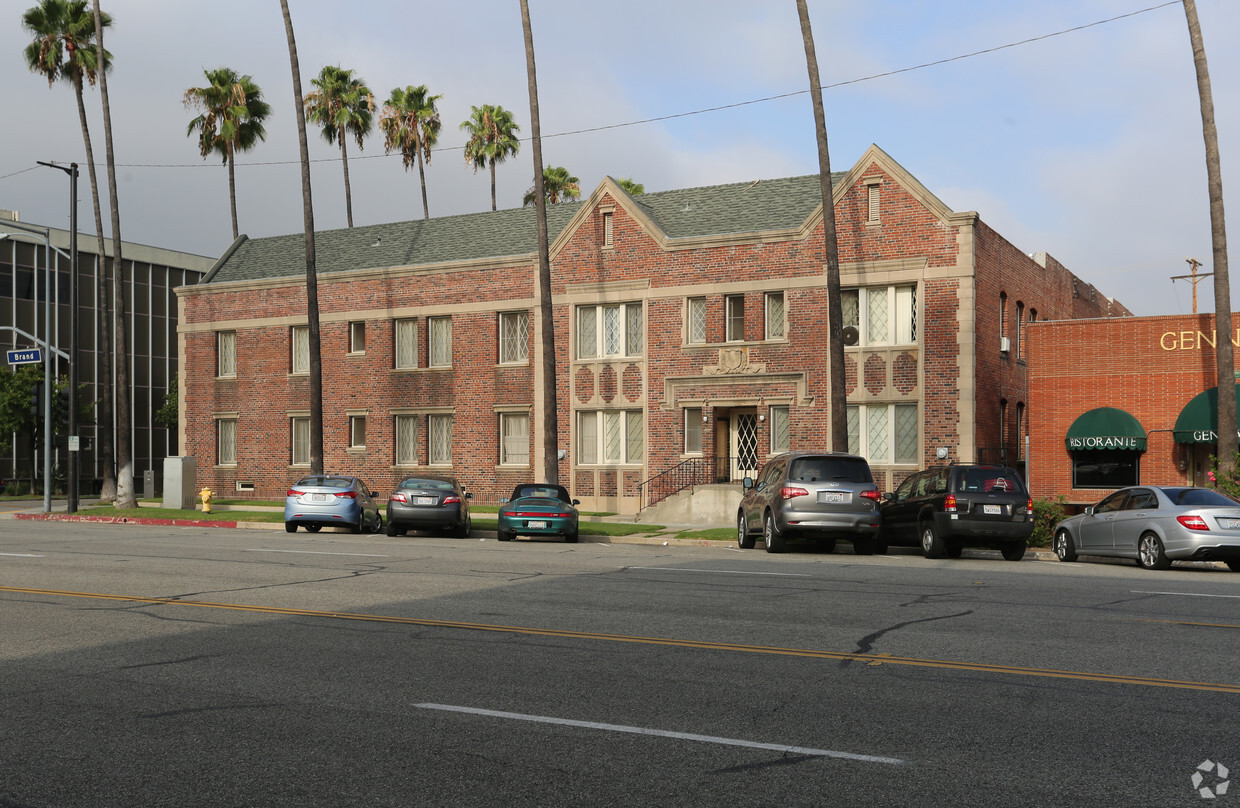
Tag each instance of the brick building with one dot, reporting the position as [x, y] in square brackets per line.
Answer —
[1122, 402]
[689, 328]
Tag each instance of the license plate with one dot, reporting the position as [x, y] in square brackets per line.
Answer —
[1229, 524]
[537, 525]
[423, 500]
[833, 497]
[992, 510]
[318, 497]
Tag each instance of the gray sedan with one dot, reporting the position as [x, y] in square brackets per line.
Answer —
[1155, 525]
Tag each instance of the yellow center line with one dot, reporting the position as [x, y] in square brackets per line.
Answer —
[870, 659]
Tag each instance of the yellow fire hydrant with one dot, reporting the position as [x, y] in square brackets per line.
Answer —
[206, 495]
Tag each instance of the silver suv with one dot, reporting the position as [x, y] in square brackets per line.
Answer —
[818, 495]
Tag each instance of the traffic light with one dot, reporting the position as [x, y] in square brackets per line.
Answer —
[36, 400]
[60, 406]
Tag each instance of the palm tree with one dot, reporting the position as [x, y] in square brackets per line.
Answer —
[558, 186]
[492, 139]
[232, 118]
[835, 315]
[64, 47]
[1224, 355]
[126, 496]
[312, 278]
[410, 122]
[631, 188]
[546, 360]
[342, 105]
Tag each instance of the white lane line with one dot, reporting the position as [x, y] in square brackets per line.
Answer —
[21, 555]
[726, 572]
[686, 736]
[313, 552]
[1182, 594]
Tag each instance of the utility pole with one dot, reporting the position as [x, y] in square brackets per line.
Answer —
[1195, 278]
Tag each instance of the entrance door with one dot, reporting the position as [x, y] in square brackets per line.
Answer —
[743, 437]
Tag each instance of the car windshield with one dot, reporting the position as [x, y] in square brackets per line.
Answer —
[326, 482]
[433, 485]
[549, 491]
[1200, 496]
[836, 469]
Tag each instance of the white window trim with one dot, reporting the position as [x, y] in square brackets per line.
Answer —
[778, 411]
[863, 438]
[690, 303]
[432, 344]
[600, 330]
[411, 362]
[354, 417]
[902, 314]
[293, 338]
[728, 334]
[220, 338]
[293, 420]
[692, 422]
[220, 419]
[504, 419]
[431, 459]
[354, 327]
[508, 317]
[600, 435]
[766, 316]
[413, 419]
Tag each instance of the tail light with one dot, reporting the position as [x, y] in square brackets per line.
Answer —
[1192, 522]
[293, 492]
[539, 515]
[452, 499]
[949, 503]
[790, 491]
[347, 494]
[397, 497]
[1029, 505]
[874, 495]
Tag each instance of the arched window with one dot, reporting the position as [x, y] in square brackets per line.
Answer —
[1020, 316]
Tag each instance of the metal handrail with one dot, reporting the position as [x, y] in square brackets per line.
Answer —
[685, 474]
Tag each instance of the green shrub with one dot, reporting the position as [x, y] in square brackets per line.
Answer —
[1046, 514]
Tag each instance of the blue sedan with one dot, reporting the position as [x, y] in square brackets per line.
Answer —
[331, 500]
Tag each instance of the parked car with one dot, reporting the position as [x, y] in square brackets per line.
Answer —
[539, 510]
[429, 502]
[331, 500]
[815, 495]
[1155, 525]
[946, 508]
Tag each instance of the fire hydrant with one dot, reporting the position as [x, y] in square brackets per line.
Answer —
[206, 495]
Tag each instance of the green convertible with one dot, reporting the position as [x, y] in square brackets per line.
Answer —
[538, 510]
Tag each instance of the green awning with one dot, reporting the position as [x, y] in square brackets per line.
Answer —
[1106, 428]
[1198, 421]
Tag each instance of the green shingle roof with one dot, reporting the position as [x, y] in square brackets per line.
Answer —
[743, 207]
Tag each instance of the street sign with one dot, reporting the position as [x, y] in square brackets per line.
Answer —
[73, 443]
[26, 356]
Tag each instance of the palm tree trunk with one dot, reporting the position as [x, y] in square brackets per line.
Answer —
[492, 185]
[426, 209]
[1225, 357]
[550, 408]
[835, 314]
[348, 192]
[125, 495]
[103, 385]
[232, 192]
[312, 282]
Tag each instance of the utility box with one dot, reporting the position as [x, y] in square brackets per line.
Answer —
[148, 484]
[180, 483]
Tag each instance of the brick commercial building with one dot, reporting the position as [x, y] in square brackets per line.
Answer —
[690, 335]
[1122, 402]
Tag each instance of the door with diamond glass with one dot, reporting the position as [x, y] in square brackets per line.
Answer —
[744, 444]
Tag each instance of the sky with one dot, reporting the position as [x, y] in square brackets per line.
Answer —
[1085, 144]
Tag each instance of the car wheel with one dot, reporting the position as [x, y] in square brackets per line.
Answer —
[291, 527]
[864, 545]
[463, 531]
[1233, 564]
[378, 528]
[771, 536]
[504, 535]
[355, 529]
[391, 529]
[313, 528]
[880, 544]
[1150, 553]
[743, 538]
[1065, 548]
[1013, 551]
[952, 549]
[932, 545]
[571, 538]
[827, 545]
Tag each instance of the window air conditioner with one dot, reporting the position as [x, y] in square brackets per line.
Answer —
[1005, 344]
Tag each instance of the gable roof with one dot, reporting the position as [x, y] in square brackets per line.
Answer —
[717, 210]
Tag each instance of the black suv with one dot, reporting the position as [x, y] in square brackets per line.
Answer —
[818, 495]
[945, 508]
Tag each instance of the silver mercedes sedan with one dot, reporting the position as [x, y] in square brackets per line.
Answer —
[1155, 525]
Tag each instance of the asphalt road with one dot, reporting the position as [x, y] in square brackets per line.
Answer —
[145, 666]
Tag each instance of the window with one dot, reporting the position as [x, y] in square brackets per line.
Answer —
[439, 340]
[872, 203]
[357, 337]
[514, 337]
[781, 429]
[610, 330]
[1020, 315]
[884, 433]
[693, 430]
[406, 343]
[226, 442]
[1020, 430]
[882, 315]
[774, 315]
[611, 436]
[608, 231]
[226, 353]
[440, 441]
[357, 431]
[1106, 468]
[514, 439]
[300, 427]
[406, 440]
[1002, 315]
[300, 345]
[697, 320]
[734, 306]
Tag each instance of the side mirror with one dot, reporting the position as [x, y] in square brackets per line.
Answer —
[576, 502]
[502, 501]
[1089, 511]
[468, 495]
[890, 495]
[747, 483]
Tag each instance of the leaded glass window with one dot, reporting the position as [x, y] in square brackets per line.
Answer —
[406, 440]
[440, 339]
[406, 343]
[440, 440]
[697, 320]
[300, 339]
[775, 315]
[514, 337]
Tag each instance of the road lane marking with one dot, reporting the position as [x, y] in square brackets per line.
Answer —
[21, 555]
[1183, 594]
[311, 552]
[1188, 623]
[724, 572]
[875, 660]
[662, 733]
